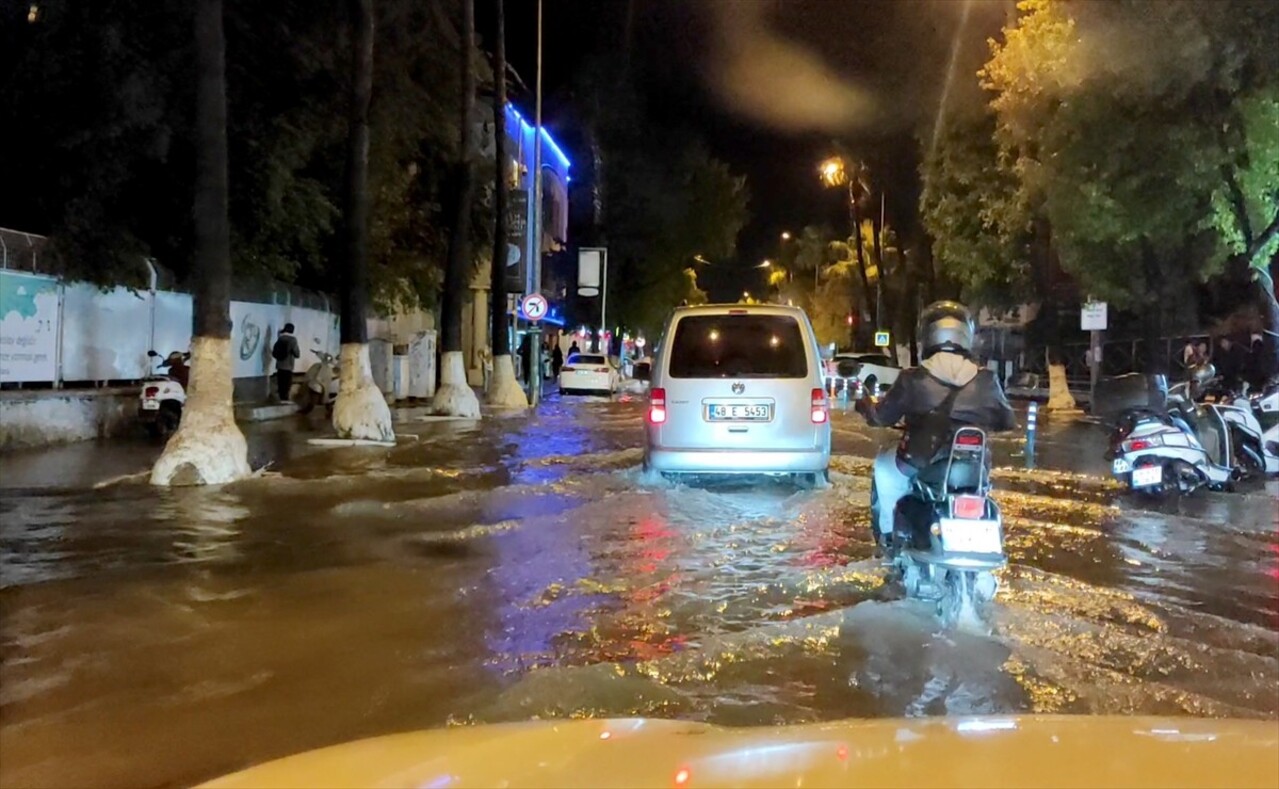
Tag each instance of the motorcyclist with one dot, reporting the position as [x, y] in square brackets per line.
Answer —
[948, 390]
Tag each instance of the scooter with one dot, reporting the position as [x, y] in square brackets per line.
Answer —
[1261, 440]
[321, 383]
[948, 533]
[1188, 446]
[162, 397]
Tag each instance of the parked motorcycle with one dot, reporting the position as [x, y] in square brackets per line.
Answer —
[1173, 444]
[321, 383]
[1264, 408]
[162, 397]
[948, 536]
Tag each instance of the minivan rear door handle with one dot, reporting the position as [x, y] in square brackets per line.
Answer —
[739, 430]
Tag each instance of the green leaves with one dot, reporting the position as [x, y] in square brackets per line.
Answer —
[1127, 134]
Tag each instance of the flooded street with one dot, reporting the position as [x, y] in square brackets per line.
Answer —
[525, 567]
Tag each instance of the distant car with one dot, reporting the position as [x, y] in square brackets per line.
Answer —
[1027, 386]
[871, 372]
[588, 372]
[737, 389]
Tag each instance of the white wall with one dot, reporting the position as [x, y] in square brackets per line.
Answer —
[105, 335]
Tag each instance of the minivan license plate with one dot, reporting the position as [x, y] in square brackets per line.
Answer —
[723, 412]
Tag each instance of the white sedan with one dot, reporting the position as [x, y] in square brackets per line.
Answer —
[586, 372]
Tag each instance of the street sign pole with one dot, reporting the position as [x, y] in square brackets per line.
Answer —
[535, 259]
[1094, 349]
[1093, 319]
[604, 301]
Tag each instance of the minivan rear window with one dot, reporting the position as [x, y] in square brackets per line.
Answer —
[738, 346]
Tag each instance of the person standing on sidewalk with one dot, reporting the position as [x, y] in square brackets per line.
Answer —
[284, 352]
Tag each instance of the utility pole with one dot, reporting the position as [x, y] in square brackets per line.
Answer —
[879, 264]
[535, 260]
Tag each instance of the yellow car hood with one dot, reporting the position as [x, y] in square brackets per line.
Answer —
[992, 752]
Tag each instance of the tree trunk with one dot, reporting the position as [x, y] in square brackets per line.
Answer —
[504, 390]
[455, 396]
[1154, 360]
[865, 315]
[883, 295]
[208, 447]
[1059, 396]
[361, 412]
[1269, 307]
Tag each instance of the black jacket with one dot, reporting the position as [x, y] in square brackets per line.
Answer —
[920, 395]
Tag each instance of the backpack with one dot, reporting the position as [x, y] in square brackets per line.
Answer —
[280, 351]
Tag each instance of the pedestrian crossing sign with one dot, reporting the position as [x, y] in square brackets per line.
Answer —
[883, 339]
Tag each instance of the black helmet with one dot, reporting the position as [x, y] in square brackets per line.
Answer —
[946, 326]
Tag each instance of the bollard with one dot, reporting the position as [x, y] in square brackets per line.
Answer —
[1031, 417]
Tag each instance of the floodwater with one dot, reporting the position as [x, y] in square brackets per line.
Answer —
[524, 567]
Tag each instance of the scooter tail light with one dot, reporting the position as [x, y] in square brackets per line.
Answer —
[820, 406]
[151, 391]
[1138, 444]
[969, 507]
[657, 406]
[968, 439]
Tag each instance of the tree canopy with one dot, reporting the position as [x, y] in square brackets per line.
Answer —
[102, 95]
[1138, 139]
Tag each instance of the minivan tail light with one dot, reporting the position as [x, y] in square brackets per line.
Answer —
[819, 406]
[657, 406]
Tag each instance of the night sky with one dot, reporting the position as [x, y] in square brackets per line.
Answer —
[772, 84]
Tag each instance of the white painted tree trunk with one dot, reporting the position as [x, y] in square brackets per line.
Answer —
[455, 396]
[1059, 396]
[361, 412]
[208, 448]
[504, 390]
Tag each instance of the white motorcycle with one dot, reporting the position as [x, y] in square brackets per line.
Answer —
[321, 383]
[1263, 449]
[162, 397]
[1184, 446]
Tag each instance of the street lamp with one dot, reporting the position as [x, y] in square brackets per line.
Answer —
[765, 264]
[834, 172]
[786, 235]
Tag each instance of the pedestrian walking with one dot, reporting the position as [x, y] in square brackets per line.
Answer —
[284, 352]
[573, 349]
[557, 360]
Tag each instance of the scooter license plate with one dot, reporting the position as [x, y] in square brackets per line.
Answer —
[150, 405]
[1147, 475]
[1121, 466]
[967, 536]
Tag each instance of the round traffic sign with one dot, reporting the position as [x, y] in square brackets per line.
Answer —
[534, 306]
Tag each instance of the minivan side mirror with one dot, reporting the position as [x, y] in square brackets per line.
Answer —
[152, 354]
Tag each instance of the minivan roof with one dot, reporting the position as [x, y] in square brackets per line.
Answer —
[724, 309]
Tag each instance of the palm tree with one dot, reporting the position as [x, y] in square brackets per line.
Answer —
[504, 390]
[361, 412]
[455, 396]
[208, 447]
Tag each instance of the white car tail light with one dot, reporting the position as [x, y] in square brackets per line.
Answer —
[820, 409]
[657, 406]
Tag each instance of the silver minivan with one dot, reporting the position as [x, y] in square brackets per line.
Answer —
[738, 389]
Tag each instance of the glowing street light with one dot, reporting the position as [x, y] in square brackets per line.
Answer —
[834, 172]
[786, 235]
[765, 264]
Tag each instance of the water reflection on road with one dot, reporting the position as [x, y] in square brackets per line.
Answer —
[525, 566]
